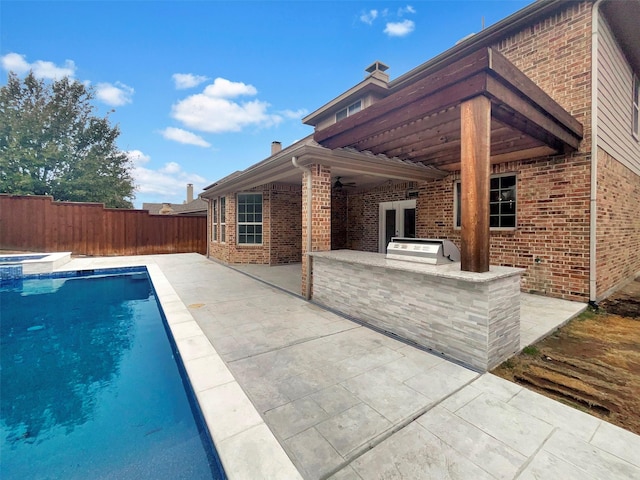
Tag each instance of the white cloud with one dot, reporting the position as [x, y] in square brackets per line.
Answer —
[15, 63]
[47, 70]
[171, 168]
[213, 111]
[223, 88]
[399, 29]
[369, 17]
[404, 10]
[167, 183]
[188, 80]
[183, 136]
[137, 157]
[114, 94]
[294, 114]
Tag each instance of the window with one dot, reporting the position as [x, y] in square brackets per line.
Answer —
[502, 202]
[636, 107]
[250, 218]
[223, 219]
[214, 220]
[350, 110]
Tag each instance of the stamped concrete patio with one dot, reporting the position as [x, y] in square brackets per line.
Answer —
[345, 402]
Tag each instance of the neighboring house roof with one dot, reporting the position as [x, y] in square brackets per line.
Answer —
[196, 207]
[153, 208]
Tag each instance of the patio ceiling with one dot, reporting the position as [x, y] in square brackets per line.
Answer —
[421, 121]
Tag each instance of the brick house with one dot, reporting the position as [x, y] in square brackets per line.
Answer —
[521, 144]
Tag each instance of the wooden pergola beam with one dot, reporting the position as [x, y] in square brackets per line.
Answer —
[475, 172]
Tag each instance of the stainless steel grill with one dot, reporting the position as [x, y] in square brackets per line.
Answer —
[423, 250]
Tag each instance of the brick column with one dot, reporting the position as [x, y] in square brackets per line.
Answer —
[320, 215]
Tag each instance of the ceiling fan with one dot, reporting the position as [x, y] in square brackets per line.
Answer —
[338, 184]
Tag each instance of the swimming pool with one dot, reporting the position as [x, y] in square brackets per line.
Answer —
[92, 386]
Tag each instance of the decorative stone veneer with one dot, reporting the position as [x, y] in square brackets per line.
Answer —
[470, 317]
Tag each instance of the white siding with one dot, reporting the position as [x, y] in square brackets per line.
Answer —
[615, 79]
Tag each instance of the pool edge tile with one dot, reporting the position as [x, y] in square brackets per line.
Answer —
[227, 399]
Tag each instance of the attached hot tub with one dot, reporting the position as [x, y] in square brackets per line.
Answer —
[16, 265]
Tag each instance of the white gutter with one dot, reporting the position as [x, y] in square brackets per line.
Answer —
[307, 293]
[208, 229]
[593, 220]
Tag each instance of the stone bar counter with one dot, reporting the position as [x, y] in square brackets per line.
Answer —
[473, 318]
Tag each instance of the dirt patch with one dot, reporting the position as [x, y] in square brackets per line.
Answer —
[592, 363]
[626, 302]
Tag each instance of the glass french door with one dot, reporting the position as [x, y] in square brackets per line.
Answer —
[397, 219]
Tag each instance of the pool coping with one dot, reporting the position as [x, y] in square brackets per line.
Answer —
[246, 446]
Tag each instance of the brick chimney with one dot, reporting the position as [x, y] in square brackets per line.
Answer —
[275, 147]
[189, 192]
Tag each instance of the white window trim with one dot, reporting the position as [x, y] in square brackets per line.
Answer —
[456, 186]
[238, 223]
[635, 107]
[214, 220]
[223, 220]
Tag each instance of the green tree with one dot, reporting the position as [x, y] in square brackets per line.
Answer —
[51, 143]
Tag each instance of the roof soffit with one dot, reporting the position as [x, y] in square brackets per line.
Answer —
[624, 19]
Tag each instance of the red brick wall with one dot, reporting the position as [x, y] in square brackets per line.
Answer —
[286, 224]
[320, 215]
[364, 214]
[556, 54]
[553, 193]
[339, 219]
[551, 240]
[618, 227]
[229, 252]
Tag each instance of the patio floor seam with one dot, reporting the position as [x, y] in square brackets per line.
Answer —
[292, 344]
[530, 459]
[370, 445]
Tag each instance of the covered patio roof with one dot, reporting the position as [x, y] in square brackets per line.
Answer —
[420, 120]
[343, 161]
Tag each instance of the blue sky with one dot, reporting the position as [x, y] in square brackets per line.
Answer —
[200, 89]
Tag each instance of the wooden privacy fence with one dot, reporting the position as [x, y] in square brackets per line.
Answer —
[37, 223]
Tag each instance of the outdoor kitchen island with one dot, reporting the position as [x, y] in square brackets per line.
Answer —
[473, 318]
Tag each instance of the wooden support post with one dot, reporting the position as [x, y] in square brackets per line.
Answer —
[475, 181]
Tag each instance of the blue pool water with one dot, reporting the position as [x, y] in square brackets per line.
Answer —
[91, 386]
